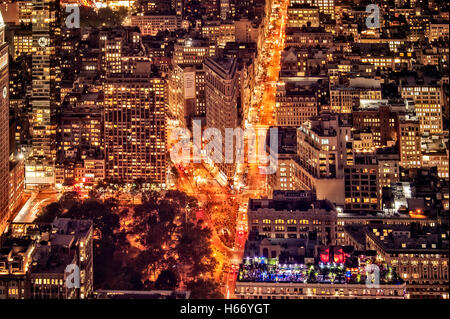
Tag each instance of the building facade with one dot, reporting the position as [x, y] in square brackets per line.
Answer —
[45, 93]
[135, 129]
[293, 214]
[222, 93]
[4, 128]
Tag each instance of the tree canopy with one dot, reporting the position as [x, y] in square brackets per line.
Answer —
[174, 247]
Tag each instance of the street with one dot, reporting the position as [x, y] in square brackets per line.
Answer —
[196, 180]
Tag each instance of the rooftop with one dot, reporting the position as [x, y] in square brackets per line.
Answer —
[291, 201]
[287, 140]
[259, 270]
[411, 238]
[224, 66]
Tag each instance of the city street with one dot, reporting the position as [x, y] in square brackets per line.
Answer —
[202, 182]
[260, 117]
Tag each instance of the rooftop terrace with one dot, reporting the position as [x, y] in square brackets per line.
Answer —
[264, 270]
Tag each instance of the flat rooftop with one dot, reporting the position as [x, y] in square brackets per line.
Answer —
[291, 201]
[258, 270]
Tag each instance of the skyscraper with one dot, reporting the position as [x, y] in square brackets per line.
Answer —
[121, 48]
[322, 149]
[4, 128]
[135, 136]
[224, 9]
[222, 92]
[186, 93]
[45, 92]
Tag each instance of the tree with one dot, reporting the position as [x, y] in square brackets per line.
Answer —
[194, 250]
[174, 172]
[170, 239]
[94, 194]
[121, 13]
[137, 187]
[105, 17]
[100, 213]
[167, 280]
[101, 188]
[123, 245]
[110, 247]
[126, 279]
[204, 289]
[49, 213]
[148, 262]
[69, 200]
[149, 197]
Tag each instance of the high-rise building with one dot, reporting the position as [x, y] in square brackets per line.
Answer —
[80, 122]
[288, 169]
[178, 6]
[428, 100]
[4, 128]
[20, 41]
[380, 120]
[135, 127]
[325, 6]
[438, 31]
[210, 8]
[45, 92]
[388, 159]
[322, 149]
[25, 11]
[268, 278]
[186, 93]
[418, 254]
[222, 92]
[435, 153]
[152, 24]
[16, 184]
[246, 30]
[120, 49]
[225, 9]
[410, 143]
[219, 32]
[308, 37]
[80, 137]
[361, 183]
[155, 7]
